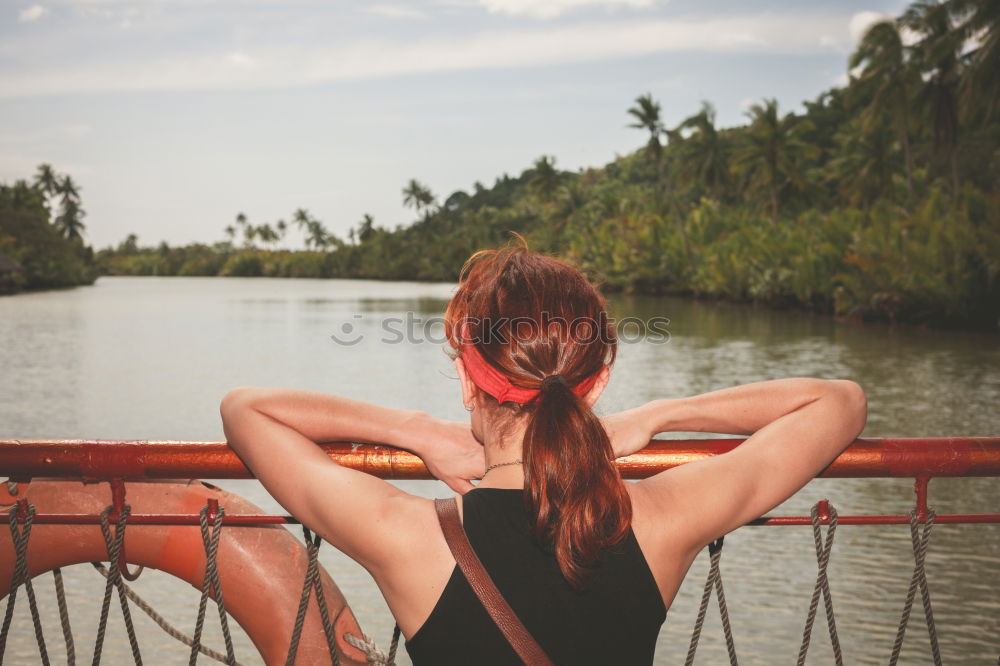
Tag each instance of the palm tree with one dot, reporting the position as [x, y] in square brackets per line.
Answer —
[418, 197]
[937, 55]
[366, 228]
[455, 200]
[316, 235]
[241, 224]
[130, 245]
[544, 177]
[267, 234]
[69, 221]
[46, 180]
[249, 233]
[890, 80]
[230, 232]
[647, 116]
[979, 20]
[863, 167]
[304, 221]
[772, 152]
[572, 197]
[301, 218]
[703, 154]
[67, 189]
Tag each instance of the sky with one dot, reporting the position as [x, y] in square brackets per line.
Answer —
[173, 116]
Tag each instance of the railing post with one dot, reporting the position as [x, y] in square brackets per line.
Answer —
[22, 510]
[823, 511]
[117, 499]
[213, 509]
[920, 488]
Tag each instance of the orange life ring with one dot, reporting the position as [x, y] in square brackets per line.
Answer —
[269, 556]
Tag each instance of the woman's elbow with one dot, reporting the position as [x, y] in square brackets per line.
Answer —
[237, 400]
[855, 405]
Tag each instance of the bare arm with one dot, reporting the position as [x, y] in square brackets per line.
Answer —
[797, 427]
[738, 410]
[275, 431]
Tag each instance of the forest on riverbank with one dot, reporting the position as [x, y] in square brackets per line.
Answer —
[41, 234]
[879, 201]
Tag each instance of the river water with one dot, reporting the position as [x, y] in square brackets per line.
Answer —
[150, 358]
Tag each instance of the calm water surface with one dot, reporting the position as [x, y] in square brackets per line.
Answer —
[150, 358]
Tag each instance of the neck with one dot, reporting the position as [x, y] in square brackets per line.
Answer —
[510, 476]
[503, 445]
[501, 472]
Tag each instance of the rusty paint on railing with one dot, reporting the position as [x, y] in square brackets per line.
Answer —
[172, 459]
[115, 461]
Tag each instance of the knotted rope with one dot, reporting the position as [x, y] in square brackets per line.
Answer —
[162, 622]
[210, 539]
[114, 546]
[312, 581]
[714, 581]
[373, 655]
[20, 535]
[22, 514]
[919, 578]
[822, 585]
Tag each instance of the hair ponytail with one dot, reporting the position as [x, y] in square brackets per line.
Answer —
[573, 488]
[575, 497]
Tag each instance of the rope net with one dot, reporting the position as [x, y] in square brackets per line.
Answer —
[114, 524]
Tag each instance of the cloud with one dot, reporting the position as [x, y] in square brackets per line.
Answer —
[77, 131]
[396, 11]
[41, 135]
[304, 63]
[242, 60]
[32, 13]
[860, 22]
[546, 9]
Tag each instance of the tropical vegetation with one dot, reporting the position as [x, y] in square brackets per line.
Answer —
[878, 201]
[41, 234]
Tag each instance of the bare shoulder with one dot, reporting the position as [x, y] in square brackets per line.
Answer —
[411, 535]
[415, 562]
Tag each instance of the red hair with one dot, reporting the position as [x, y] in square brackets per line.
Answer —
[531, 316]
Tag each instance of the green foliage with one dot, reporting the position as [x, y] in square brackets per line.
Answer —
[42, 254]
[880, 201]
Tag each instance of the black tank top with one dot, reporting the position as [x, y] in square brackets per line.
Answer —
[615, 621]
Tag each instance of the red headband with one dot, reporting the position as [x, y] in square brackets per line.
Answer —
[494, 382]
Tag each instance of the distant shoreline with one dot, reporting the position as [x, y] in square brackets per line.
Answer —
[617, 290]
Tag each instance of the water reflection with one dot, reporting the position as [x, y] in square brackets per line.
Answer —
[152, 357]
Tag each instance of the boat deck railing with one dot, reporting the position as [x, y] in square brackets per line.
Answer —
[920, 459]
[118, 462]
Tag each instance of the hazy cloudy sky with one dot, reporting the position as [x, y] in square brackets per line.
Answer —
[175, 115]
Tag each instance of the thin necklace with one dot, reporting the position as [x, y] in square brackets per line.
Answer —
[494, 466]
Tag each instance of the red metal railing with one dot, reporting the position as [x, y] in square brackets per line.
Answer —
[120, 460]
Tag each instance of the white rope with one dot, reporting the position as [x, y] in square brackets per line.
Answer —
[374, 655]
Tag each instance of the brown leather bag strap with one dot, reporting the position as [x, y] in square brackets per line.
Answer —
[527, 648]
